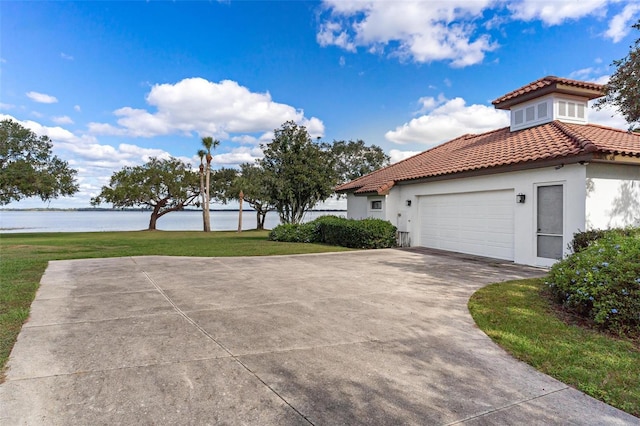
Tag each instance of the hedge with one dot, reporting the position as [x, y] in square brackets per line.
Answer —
[334, 230]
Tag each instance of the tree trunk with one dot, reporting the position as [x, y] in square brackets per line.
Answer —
[259, 225]
[202, 195]
[261, 217]
[240, 200]
[154, 217]
[207, 213]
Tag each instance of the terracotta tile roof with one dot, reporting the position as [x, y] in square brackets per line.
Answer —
[547, 85]
[554, 140]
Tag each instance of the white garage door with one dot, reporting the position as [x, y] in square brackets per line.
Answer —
[478, 223]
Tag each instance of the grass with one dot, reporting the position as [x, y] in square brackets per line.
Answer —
[518, 317]
[24, 257]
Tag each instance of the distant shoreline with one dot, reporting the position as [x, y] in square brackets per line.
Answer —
[91, 209]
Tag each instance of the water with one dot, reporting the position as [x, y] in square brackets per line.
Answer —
[101, 221]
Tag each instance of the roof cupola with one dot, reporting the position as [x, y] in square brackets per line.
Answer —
[547, 99]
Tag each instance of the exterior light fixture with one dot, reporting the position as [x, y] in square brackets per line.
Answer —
[520, 198]
[408, 203]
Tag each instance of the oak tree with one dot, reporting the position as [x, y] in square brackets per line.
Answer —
[28, 167]
[162, 185]
[354, 159]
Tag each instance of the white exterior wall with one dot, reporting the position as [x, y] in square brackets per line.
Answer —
[572, 177]
[614, 196]
[359, 207]
[376, 213]
[356, 207]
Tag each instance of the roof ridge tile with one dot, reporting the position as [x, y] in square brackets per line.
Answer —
[582, 142]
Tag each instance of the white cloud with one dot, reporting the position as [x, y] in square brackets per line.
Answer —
[620, 25]
[253, 140]
[428, 103]
[66, 56]
[449, 120]
[245, 140]
[77, 108]
[331, 33]
[594, 75]
[57, 134]
[86, 152]
[105, 129]
[455, 31]
[207, 108]
[397, 155]
[64, 119]
[555, 12]
[6, 106]
[41, 98]
[608, 116]
[237, 156]
[417, 30]
[604, 79]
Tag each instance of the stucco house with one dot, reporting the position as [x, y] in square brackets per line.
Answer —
[518, 193]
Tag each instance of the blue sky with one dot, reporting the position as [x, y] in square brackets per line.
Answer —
[114, 83]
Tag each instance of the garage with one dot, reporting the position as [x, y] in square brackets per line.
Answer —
[480, 223]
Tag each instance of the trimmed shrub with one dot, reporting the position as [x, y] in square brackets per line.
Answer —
[294, 233]
[333, 230]
[583, 239]
[601, 281]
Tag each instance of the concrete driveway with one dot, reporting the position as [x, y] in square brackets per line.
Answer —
[370, 337]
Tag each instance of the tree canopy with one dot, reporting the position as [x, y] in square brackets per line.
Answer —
[163, 185]
[623, 88]
[28, 167]
[221, 183]
[298, 172]
[253, 183]
[354, 159]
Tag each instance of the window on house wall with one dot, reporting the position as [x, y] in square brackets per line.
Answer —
[376, 205]
[542, 110]
[571, 109]
[562, 108]
[531, 113]
[519, 117]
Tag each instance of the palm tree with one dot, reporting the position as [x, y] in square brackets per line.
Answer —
[202, 153]
[209, 143]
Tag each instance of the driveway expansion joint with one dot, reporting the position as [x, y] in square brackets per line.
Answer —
[231, 354]
[508, 406]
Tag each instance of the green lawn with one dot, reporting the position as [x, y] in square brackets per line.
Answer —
[24, 257]
[519, 318]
